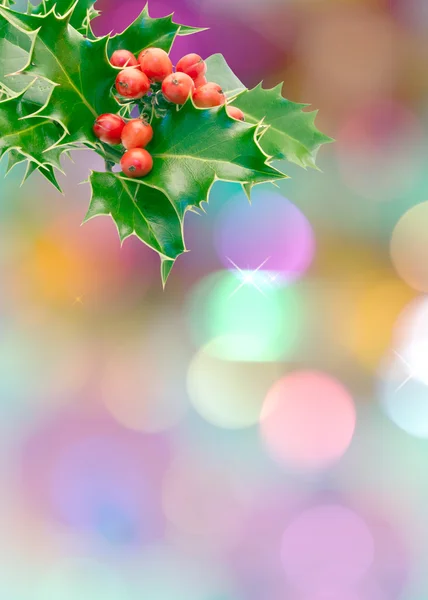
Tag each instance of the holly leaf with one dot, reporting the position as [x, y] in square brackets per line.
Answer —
[137, 209]
[146, 32]
[15, 46]
[82, 11]
[291, 133]
[219, 71]
[29, 137]
[194, 147]
[77, 67]
[188, 30]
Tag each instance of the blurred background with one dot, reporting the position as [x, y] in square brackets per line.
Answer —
[258, 430]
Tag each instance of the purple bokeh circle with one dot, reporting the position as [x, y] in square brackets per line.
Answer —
[270, 230]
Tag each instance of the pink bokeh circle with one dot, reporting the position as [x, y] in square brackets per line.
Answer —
[307, 420]
[327, 548]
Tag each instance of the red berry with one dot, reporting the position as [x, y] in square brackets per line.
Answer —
[123, 58]
[209, 95]
[177, 87]
[136, 162]
[155, 63]
[108, 128]
[235, 113]
[132, 83]
[200, 81]
[193, 65]
[136, 134]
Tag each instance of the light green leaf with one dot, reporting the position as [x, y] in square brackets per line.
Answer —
[146, 32]
[186, 30]
[78, 67]
[192, 148]
[15, 46]
[219, 72]
[291, 132]
[137, 209]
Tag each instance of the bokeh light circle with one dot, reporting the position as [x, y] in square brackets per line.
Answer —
[307, 420]
[272, 232]
[326, 548]
[409, 247]
[369, 328]
[403, 396]
[228, 394]
[250, 322]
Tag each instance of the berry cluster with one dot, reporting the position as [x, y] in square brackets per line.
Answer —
[142, 81]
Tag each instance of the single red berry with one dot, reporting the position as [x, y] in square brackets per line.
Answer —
[123, 58]
[137, 134]
[235, 113]
[193, 65]
[177, 87]
[200, 81]
[108, 128]
[132, 83]
[209, 95]
[155, 63]
[136, 162]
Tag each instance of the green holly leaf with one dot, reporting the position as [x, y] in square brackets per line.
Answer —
[46, 170]
[29, 137]
[82, 12]
[78, 68]
[137, 209]
[146, 32]
[219, 72]
[15, 46]
[193, 147]
[188, 30]
[291, 133]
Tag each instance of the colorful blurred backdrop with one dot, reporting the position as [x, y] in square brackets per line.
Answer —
[258, 430]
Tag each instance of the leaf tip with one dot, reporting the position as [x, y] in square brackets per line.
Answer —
[166, 267]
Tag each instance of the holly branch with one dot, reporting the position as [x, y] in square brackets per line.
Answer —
[166, 135]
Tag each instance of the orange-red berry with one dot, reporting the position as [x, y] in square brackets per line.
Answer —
[108, 128]
[155, 63]
[200, 81]
[136, 162]
[235, 113]
[137, 134]
[132, 83]
[177, 87]
[193, 65]
[209, 95]
[123, 58]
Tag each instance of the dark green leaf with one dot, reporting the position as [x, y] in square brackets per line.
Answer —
[137, 209]
[219, 72]
[192, 148]
[30, 137]
[146, 32]
[79, 67]
[82, 11]
[166, 267]
[291, 133]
